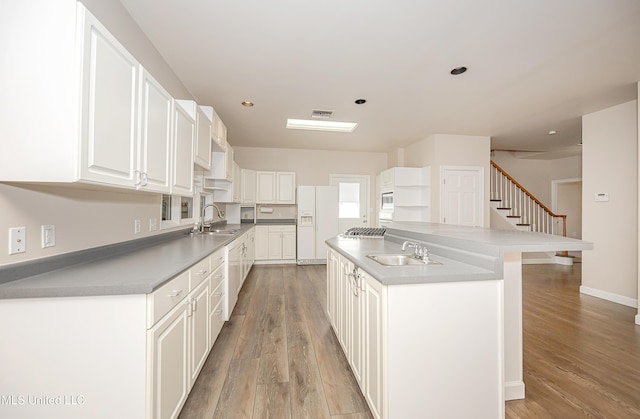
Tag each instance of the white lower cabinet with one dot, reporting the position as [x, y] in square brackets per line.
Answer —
[179, 342]
[420, 350]
[275, 242]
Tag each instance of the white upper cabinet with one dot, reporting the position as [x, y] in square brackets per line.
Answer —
[204, 124]
[248, 188]
[183, 140]
[156, 110]
[286, 187]
[275, 187]
[110, 82]
[107, 121]
[219, 135]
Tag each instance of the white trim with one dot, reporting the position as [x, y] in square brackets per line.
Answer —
[638, 319]
[554, 190]
[609, 296]
[539, 261]
[481, 195]
[514, 390]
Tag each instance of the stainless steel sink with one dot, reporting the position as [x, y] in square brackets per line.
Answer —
[215, 233]
[402, 259]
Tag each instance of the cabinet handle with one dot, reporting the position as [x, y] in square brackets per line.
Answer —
[175, 293]
[202, 272]
[194, 305]
[138, 178]
[145, 179]
[217, 312]
[219, 294]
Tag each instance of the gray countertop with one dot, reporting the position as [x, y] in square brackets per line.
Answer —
[466, 253]
[136, 271]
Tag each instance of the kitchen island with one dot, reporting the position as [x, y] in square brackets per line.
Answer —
[441, 340]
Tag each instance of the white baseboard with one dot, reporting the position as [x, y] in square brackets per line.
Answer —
[638, 319]
[514, 390]
[540, 261]
[275, 262]
[609, 296]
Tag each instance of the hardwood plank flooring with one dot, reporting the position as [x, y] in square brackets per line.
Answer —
[581, 353]
[278, 357]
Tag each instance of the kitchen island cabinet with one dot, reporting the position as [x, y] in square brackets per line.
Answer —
[409, 346]
[439, 340]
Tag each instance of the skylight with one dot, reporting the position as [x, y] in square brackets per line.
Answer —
[315, 125]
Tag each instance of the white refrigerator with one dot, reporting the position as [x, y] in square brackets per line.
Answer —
[317, 222]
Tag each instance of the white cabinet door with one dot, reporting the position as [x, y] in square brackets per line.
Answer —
[374, 344]
[109, 129]
[275, 245]
[234, 275]
[198, 329]
[333, 270]
[237, 183]
[156, 114]
[204, 132]
[248, 186]
[262, 243]
[169, 356]
[289, 243]
[286, 187]
[184, 136]
[357, 336]
[266, 187]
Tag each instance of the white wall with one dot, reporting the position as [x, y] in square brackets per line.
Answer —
[610, 165]
[450, 150]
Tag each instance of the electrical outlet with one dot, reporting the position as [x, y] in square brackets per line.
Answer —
[17, 240]
[48, 235]
[153, 224]
[136, 226]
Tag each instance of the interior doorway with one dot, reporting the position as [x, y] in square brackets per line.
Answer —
[462, 196]
[566, 198]
[353, 200]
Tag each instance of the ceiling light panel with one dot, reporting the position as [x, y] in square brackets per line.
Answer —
[316, 125]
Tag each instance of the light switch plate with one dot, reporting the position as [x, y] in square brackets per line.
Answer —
[48, 235]
[17, 240]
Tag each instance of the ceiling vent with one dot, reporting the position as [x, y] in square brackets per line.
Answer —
[316, 114]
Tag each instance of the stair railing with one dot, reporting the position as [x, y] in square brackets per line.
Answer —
[533, 212]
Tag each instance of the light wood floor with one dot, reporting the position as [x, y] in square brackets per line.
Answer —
[278, 358]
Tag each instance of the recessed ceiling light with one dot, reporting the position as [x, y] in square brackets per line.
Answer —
[360, 101]
[247, 104]
[553, 132]
[315, 125]
[458, 70]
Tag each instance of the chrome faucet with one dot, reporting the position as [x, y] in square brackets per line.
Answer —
[419, 251]
[202, 223]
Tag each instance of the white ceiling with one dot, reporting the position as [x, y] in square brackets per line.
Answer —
[534, 66]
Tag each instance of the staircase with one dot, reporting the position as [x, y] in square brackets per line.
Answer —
[520, 208]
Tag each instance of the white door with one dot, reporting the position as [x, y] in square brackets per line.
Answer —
[353, 200]
[462, 195]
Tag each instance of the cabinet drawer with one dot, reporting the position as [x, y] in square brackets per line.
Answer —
[217, 277]
[162, 300]
[216, 321]
[217, 259]
[199, 272]
[282, 229]
[216, 296]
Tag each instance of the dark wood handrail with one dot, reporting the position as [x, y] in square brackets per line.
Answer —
[543, 206]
